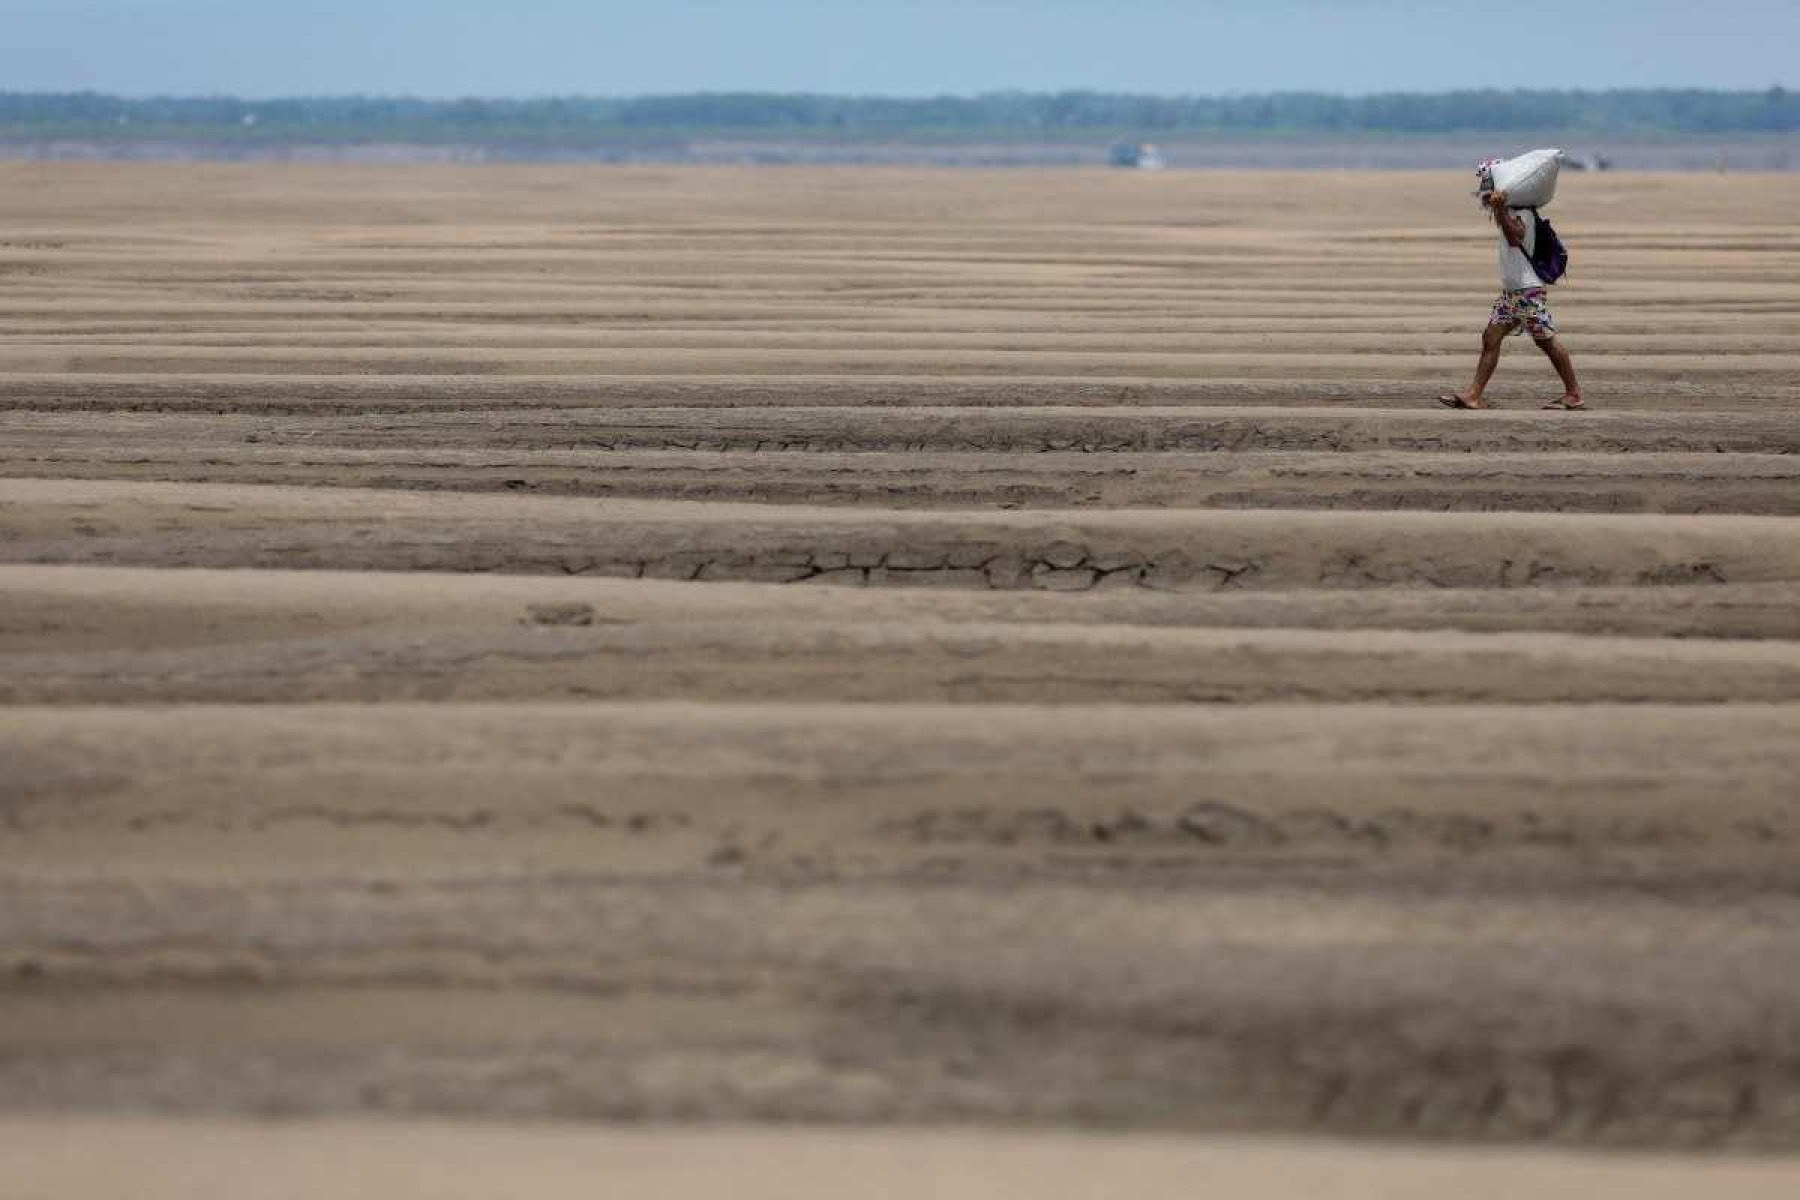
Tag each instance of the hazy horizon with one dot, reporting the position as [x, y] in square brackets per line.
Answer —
[453, 48]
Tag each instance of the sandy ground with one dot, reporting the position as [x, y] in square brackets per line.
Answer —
[435, 1162]
[891, 648]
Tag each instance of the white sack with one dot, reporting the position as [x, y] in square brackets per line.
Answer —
[1529, 180]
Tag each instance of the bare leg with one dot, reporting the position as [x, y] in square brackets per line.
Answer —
[1565, 368]
[1491, 340]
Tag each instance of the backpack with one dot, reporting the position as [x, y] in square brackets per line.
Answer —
[1549, 257]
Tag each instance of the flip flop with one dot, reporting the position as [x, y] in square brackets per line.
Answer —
[1451, 400]
[1579, 406]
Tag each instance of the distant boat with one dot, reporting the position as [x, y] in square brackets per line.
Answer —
[1141, 155]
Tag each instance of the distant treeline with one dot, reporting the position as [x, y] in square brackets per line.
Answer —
[591, 121]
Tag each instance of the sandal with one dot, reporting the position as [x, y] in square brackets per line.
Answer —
[1454, 400]
[1563, 403]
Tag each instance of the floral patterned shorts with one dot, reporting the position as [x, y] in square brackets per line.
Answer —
[1525, 312]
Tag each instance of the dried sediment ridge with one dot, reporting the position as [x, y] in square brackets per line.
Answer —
[1551, 781]
[1695, 483]
[80, 608]
[1034, 430]
[1031, 430]
[255, 394]
[103, 635]
[563, 651]
[1376, 462]
[49, 521]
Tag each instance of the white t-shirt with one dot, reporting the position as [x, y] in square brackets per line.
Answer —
[1515, 261]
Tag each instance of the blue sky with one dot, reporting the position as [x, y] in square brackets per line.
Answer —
[263, 48]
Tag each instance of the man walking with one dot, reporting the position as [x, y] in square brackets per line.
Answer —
[1523, 307]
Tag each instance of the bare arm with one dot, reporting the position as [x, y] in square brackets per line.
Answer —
[1512, 228]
